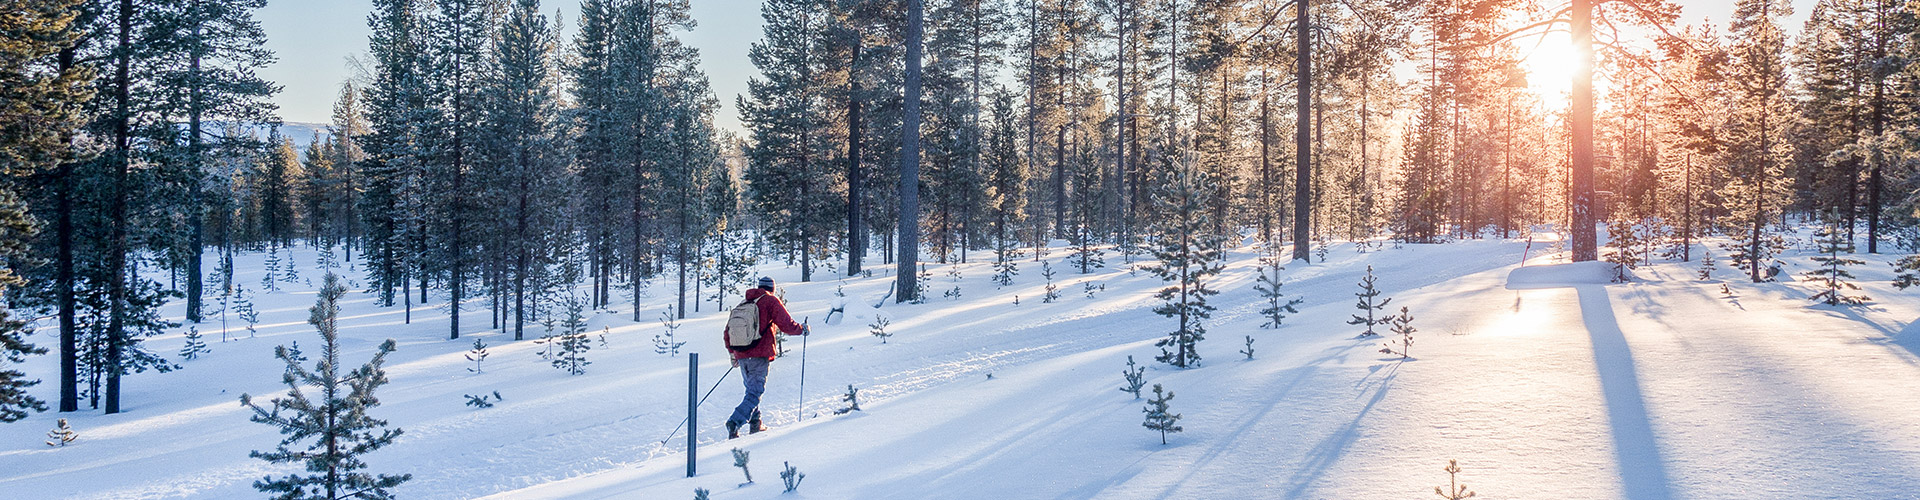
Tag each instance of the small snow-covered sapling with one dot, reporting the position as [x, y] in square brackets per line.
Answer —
[699, 494]
[879, 327]
[483, 400]
[792, 477]
[1454, 490]
[1249, 350]
[1706, 265]
[1402, 326]
[852, 398]
[1136, 378]
[740, 460]
[478, 354]
[953, 293]
[1157, 416]
[61, 435]
[1053, 292]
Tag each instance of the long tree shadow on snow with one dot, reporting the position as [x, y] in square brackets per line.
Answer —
[1643, 473]
[1329, 450]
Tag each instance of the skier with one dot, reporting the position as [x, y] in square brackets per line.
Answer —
[753, 359]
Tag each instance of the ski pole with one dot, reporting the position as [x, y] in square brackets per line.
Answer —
[803, 367]
[703, 400]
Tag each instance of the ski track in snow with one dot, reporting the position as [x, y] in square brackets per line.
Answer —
[1661, 388]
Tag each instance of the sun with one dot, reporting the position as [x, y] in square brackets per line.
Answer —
[1549, 63]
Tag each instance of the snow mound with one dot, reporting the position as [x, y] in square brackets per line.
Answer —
[1562, 275]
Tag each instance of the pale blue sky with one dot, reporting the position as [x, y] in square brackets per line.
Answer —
[314, 38]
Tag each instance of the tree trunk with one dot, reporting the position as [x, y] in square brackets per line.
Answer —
[1302, 150]
[856, 236]
[1585, 241]
[910, 161]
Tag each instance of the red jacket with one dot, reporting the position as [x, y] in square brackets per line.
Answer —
[773, 315]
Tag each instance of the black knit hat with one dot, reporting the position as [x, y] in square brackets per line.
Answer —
[766, 282]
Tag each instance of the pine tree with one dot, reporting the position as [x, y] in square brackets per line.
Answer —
[1157, 417]
[41, 116]
[396, 111]
[1190, 254]
[1402, 326]
[223, 47]
[572, 339]
[1268, 284]
[1706, 266]
[852, 398]
[789, 177]
[879, 328]
[194, 346]
[1454, 490]
[1136, 378]
[483, 401]
[664, 342]
[522, 181]
[337, 420]
[1832, 275]
[1908, 269]
[791, 477]
[61, 434]
[1756, 137]
[477, 355]
[1053, 292]
[1365, 303]
[740, 460]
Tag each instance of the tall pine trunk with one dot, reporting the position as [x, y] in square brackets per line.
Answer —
[1302, 150]
[910, 161]
[117, 242]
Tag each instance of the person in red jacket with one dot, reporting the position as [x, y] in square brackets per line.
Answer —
[754, 359]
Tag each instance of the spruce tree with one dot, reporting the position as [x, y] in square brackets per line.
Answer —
[335, 419]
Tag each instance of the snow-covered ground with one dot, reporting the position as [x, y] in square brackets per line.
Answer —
[1555, 387]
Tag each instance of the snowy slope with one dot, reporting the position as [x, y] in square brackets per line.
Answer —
[1555, 388]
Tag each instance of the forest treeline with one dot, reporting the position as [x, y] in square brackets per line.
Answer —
[488, 156]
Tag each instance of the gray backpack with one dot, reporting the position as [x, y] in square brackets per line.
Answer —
[743, 325]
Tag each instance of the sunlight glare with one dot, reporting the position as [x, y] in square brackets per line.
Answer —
[1549, 63]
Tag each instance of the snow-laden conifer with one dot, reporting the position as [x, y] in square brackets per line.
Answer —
[1189, 256]
[740, 460]
[1832, 275]
[791, 477]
